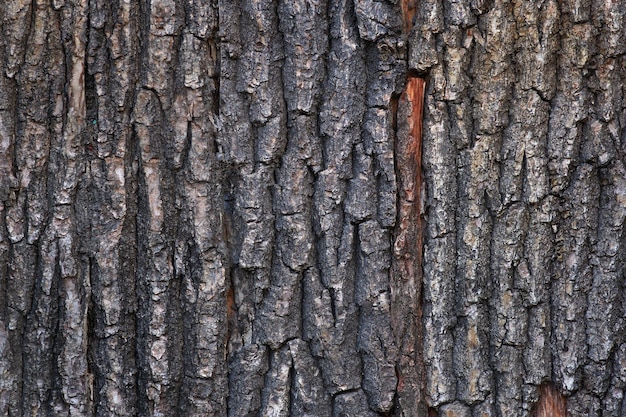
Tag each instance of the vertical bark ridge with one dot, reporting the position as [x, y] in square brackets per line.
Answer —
[74, 286]
[33, 281]
[108, 234]
[339, 117]
[440, 234]
[600, 130]
[154, 267]
[201, 259]
[380, 27]
[10, 358]
[7, 182]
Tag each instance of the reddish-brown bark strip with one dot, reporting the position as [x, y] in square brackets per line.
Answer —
[415, 95]
[409, 238]
[408, 13]
[408, 249]
[551, 402]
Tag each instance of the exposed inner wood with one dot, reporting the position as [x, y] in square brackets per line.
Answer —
[415, 95]
[408, 112]
[409, 240]
[408, 13]
[551, 403]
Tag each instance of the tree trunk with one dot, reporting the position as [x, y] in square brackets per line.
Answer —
[312, 208]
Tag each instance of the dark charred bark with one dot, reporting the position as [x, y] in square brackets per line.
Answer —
[312, 208]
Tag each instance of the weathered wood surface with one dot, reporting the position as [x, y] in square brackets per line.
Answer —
[232, 208]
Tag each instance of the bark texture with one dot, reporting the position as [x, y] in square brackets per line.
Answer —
[524, 151]
[232, 208]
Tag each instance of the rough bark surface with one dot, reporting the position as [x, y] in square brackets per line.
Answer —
[233, 208]
[523, 148]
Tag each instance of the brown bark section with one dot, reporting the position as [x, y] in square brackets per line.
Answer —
[406, 284]
[408, 247]
[414, 94]
[551, 403]
[408, 8]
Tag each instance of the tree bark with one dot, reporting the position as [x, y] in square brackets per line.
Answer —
[312, 208]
